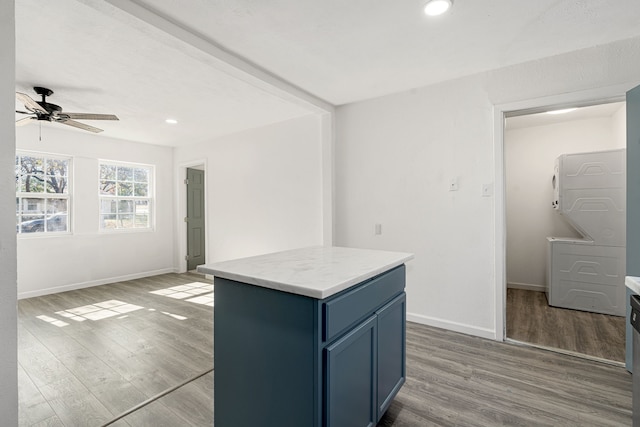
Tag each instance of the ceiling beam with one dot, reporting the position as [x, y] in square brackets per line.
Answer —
[208, 51]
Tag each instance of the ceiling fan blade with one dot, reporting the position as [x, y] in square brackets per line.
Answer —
[25, 121]
[80, 125]
[23, 112]
[29, 103]
[89, 116]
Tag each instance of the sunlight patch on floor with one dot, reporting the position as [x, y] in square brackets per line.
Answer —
[191, 292]
[97, 311]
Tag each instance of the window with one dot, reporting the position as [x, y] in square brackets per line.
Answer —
[42, 193]
[125, 196]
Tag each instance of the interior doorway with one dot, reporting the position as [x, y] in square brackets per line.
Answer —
[196, 217]
[531, 144]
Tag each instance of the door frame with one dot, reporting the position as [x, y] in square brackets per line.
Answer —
[584, 98]
[181, 212]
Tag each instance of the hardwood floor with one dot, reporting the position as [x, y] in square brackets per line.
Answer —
[122, 346]
[458, 380]
[530, 319]
[89, 372]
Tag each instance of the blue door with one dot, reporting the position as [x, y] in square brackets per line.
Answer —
[391, 352]
[350, 378]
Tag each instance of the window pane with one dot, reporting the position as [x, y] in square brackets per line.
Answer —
[32, 224]
[31, 164]
[141, 175]
[125, 221]
[32, 206]
[125, 189]
[142, 207]
[125, 206]
[107, 172]
[141, 190]
[57, 175]
[18, 170]
[57, 167]
[108, 188]
[125, 173]
[57, 206]
[108, 222]
[108, 206]
[142, 221]
[56, 184]
[57, 222]
[34, 183]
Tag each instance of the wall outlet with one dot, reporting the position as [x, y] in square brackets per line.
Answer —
[378, 229]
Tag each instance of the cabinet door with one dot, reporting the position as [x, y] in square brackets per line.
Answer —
[391, 352]
[350, 378]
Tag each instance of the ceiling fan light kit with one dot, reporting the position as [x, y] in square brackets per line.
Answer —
[43, 110]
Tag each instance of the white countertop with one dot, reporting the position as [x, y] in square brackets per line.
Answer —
[316, 272]
[633, 283]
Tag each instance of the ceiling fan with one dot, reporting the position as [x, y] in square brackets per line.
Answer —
[43, 110]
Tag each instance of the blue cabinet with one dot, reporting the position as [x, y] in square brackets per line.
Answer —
[350, 378]
[283, 359]
[391, 352]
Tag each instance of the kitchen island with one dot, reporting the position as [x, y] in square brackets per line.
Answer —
[308, 337]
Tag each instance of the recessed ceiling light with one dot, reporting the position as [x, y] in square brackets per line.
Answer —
[563, 111]
[437, 7]
[171, 121]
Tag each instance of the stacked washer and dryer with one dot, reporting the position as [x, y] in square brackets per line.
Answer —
[588, 273]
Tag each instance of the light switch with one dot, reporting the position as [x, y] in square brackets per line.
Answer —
[378, 229]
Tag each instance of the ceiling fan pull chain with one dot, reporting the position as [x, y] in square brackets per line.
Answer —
[40, 129]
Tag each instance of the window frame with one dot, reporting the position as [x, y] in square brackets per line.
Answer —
[68, 196]
[151, 196]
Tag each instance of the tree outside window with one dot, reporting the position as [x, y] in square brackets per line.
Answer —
[42, 193]
[125, 196]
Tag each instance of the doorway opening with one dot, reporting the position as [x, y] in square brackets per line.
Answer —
[578, 322]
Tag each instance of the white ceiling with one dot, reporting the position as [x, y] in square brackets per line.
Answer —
[148, 60]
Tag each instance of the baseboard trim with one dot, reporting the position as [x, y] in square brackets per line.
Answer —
[452, 326]
[526, 286]
[91, 283]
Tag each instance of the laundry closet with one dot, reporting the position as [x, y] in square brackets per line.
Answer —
[565, 211]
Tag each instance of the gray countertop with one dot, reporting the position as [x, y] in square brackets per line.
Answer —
[316, 272]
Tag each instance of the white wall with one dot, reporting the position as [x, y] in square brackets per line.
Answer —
[619, 125]
[395, 156]
[530, 155]
[264, 189]
[87, 256]
[8, 314]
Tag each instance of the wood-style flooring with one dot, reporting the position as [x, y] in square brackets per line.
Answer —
[459, 380]
[89, 372]
[96, 365]
[530, 319]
